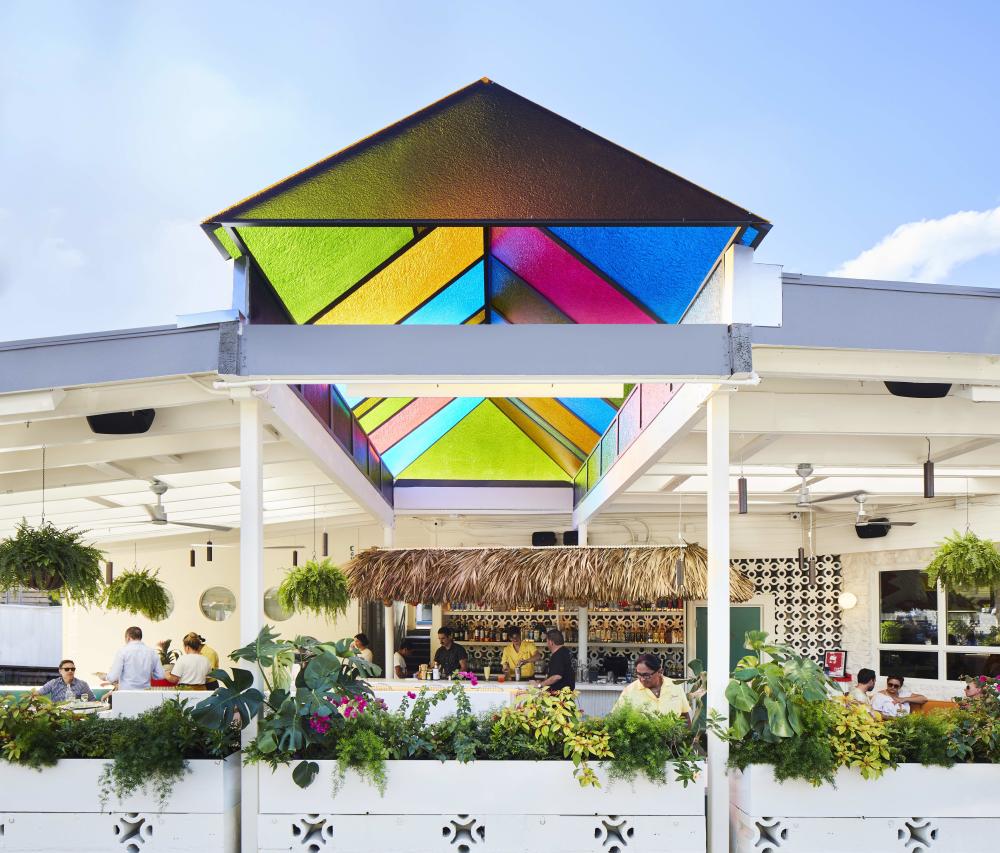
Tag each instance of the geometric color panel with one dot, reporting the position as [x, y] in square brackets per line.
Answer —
[459, 301]
[311, 267]
[410, 446]
[596, 413]
[539, 432]
[411, 279]
[565, 281]
[381, 412]
[662, 267]
[409, 417]
[517, 301]
[485, 445]
[577, 431]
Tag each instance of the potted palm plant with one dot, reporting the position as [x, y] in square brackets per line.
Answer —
[52, 559]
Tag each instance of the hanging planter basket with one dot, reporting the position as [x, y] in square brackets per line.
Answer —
[49, 559]
[317, 587]
[138, 591]
[964, 560]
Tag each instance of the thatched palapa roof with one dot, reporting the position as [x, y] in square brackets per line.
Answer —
[515, 577]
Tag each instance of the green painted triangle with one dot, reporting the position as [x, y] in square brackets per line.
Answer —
[484, 445]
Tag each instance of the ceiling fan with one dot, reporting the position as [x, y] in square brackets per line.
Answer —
[158, 515]
[863, 519]
[804, 499]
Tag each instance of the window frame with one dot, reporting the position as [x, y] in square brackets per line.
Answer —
[941, 647]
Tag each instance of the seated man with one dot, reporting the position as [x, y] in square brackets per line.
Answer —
[861, 692]
[67, 687]
[895, 700]
[652, 692]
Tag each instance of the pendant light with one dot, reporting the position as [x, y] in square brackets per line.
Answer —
[192, 558]
[928, 473]
[326, 544]
[208, 550]
[295, 558]
[109, 572]
[811, 560]
[741, 492]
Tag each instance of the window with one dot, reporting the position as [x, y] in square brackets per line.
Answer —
[929, 633]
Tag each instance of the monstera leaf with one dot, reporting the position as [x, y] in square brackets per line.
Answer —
[235, 693]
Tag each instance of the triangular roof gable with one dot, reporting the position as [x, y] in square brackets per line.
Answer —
[486, 155]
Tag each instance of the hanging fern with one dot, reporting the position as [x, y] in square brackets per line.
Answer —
[319, 588]
[964, 560]
[138, 591]
[48, 558]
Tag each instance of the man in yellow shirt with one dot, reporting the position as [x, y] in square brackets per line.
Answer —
[519, 653]
[652, 692]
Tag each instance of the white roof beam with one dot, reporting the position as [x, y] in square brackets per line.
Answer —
[301, 428]
[963, 448]
[678, 417]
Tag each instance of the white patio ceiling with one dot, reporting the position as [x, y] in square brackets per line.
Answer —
[101, 483]
[856, 436]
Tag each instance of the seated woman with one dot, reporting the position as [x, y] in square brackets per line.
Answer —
[191, 668]
[362, 648]
[400, 662]
[67, 687]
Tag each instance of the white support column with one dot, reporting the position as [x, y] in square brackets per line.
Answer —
[718, 615]
[251, 582]
[582, 619]
[390, 614]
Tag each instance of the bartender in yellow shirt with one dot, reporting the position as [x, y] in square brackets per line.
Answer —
[519, 653]
[652, 692]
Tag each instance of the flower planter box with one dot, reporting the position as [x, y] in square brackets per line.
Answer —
[58, 809]
[913, 808]
[482, 806]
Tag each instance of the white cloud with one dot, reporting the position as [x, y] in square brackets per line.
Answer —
[928, 250]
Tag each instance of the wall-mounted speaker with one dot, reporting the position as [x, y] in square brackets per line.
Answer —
[571, 537]
[122, 423]
[543, 538]
[876, 528]
[918, 390]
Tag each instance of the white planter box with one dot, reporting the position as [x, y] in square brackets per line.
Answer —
[483, 805]
[58, 809]
[913, 808]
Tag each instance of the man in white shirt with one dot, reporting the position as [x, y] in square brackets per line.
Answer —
[135, 663]
[895, 700]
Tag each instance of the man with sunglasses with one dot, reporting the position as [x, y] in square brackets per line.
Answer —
[895, 700]
[652, 692]
[67, 687]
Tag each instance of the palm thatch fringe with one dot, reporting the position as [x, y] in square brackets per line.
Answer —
[518, 577]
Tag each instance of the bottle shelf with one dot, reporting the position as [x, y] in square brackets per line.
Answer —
[619, 614]
[498, 642]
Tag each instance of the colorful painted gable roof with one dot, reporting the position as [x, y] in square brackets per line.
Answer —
[481, 208]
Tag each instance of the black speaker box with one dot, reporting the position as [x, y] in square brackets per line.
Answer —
[571, 537]
[543, 537]
[122, 423]
[918, 390]
[876, 528]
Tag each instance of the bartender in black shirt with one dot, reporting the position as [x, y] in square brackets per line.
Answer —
[450, 656]
[561, 672]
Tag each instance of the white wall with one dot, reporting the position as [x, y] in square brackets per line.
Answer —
[30, 636]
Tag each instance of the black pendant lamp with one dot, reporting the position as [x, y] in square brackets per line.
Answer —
[192, 558]
[741, 495]
[326, 544]
[928, 473]
[109, 572]
[295, 558]
[208, 550]
[679, 572]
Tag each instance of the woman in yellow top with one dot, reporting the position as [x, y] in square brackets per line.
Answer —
[519, 653]
[652, 692]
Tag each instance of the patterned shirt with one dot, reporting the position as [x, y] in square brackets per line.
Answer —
[59, 691]
[135, 663]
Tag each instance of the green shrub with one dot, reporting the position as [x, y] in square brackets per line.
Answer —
[921, 738]
[31, 730]
[649, 745]
[859, 741]
[963, 560]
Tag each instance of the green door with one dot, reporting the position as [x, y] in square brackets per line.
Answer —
[741, 619]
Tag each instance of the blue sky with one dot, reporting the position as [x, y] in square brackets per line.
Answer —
[867, 133]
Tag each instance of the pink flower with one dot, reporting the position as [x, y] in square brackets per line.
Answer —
[982, 679]
[319, 724]
[409, 695]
